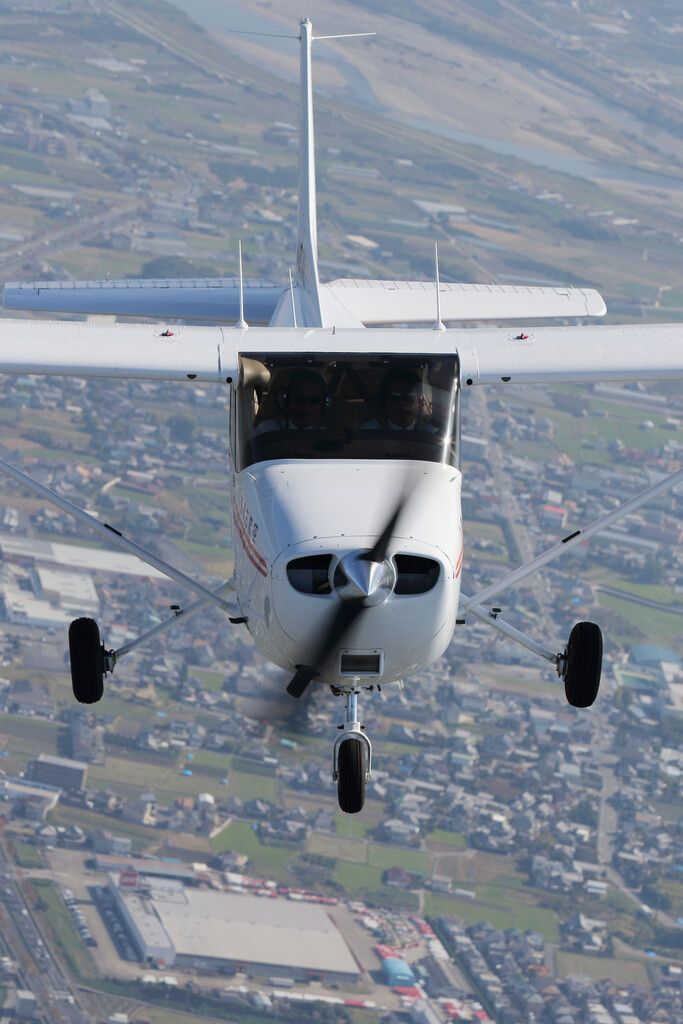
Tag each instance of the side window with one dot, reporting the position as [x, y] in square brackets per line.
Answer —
[232, 421]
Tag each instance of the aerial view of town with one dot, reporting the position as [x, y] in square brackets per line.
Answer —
[175, 852]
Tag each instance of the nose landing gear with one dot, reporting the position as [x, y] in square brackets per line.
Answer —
[352, 756]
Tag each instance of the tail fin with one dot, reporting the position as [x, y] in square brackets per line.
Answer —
[307, 230]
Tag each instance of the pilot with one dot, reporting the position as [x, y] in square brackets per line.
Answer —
[304, 401]
[401, 403]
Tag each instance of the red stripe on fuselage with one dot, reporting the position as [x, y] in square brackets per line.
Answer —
[252, 554]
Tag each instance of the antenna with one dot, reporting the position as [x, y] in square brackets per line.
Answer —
[291, 292]
[438, 325]
[347, 35]
[241, 323]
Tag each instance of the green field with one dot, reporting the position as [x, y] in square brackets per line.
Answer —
[385, 857]
[240, 836]
[649, 624]
[512, 916]
[210, 680]
[441, 836]
[359, 876]
[621, 972]
[73, 948]
[345, 825]
[25, 738]
[28, 856]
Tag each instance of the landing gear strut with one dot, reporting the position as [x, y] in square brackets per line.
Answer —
[352, 757]
[581, 664]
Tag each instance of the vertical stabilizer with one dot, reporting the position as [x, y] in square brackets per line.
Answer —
[307, 232]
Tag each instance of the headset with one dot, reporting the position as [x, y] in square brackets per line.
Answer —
[304, 375]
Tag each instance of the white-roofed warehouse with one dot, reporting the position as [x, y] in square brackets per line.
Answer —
[226, 932]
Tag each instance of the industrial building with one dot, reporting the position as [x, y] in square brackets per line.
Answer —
[30, 553]
[57, 771]
[113, 863]
[172, 925]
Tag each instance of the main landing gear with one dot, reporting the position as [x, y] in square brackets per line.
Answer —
[89, 661]
[352, 757]
[581, 664]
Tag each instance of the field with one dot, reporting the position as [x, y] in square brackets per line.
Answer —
[621, 972]
[73, 948]
[513, 916]
[240, 836]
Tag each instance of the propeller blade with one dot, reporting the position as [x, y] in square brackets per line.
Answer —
[379, 550]
[346, 614]
[299, 683]
[344, 618]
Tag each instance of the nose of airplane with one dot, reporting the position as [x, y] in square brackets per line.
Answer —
[359, 578]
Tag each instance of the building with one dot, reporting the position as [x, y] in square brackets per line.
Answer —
[172, 925]
[25, 1005]
[12, 787]
[397, 973]
[25, 697]
[58, 771]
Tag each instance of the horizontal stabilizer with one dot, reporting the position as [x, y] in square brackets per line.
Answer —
[215, 300]
[412, 302]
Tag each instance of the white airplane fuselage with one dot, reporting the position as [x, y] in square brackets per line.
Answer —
[288, 510]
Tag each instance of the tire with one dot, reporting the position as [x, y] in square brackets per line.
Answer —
[584, 664]
[351, 776]
[87, 663]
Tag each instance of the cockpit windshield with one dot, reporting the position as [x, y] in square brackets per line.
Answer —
[327, 406]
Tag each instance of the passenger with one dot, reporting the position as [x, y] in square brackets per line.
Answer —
[303, 404]
[401, 403]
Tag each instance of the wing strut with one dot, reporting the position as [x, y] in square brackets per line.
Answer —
[113, 535]
[565, 545]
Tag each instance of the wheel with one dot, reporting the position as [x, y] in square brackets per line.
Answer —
[584, 664]
[351, 776]
[87, 663]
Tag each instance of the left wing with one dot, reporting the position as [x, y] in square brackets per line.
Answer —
[143, 351]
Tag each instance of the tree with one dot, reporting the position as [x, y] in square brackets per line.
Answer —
[182, 428]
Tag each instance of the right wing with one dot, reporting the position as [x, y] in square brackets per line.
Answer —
[215, 300]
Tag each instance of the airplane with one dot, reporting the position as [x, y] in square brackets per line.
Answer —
[344, 450]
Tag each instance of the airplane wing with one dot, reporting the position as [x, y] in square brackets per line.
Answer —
[410, 302]
[543, 355]
[215, 300]
[126, 351]
[547, 355]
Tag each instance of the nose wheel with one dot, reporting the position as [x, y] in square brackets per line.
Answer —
[352, 758]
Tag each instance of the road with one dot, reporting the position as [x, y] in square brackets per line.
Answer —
[670, 609]
[39, 971]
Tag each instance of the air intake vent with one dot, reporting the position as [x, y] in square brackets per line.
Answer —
[415, 575]
[365, 663]
[310, 575]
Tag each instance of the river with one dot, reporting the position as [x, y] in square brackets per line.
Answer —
[225, 16]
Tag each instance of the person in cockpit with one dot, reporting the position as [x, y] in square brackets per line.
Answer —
[303, 403]
[400, 403]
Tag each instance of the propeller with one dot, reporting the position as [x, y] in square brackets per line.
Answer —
[369, 580]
